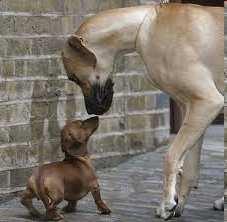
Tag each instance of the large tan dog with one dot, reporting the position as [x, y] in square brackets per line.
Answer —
[70, 179]
[182, 48]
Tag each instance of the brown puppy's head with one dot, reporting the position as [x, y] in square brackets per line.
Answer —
[75, 135]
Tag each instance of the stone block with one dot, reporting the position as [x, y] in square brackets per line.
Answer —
[136, 103]
[133, 83]
[108, 143]
[18, 177]
[136, 122]
[20, 133]
[18, 6]
[136, 140]
[18, 113]
[18, 47]
[111, 125]
[54, 68]
[4, 114]
[4, 179]
[32, 25]
[7, 24]
[158, 120]
[15, 156]
[18, 90]
[128, 3]
[3, 47]
[54, 129]
[38, 67]
[39, 111]
[118, 106]
[47, 46]
[161, 137]
[3, 92]
[90, 6]
[4, 135]
[119, 83]
[37, 131]
[72, 6]
[162, 101]
[20, 68]
[50, 6]
[39, 89]
[7, 68]
[49, 151]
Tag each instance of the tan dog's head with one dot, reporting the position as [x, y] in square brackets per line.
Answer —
[75, 135]
[89, 72]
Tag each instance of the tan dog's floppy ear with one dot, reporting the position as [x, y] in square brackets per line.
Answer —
[78, 44]
[91, 124]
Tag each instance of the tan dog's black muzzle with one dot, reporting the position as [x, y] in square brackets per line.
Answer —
[100, 98]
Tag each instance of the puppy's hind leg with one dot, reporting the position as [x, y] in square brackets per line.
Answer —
[26, 200]
[55, 197]
[70, 207]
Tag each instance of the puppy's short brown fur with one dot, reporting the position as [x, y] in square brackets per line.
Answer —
[71, 179]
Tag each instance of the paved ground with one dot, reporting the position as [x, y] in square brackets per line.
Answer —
[133, 190]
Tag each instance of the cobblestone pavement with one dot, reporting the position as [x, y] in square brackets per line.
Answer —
[133, 190]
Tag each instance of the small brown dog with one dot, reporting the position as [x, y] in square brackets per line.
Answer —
[71, 179]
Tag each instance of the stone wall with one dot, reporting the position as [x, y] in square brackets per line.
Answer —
[36, 98]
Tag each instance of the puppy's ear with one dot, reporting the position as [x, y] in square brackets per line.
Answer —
[77, 42]
[90, 125]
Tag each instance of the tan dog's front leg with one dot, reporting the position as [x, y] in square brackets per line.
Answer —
[102, 207]
[189, 178]
[192, 129]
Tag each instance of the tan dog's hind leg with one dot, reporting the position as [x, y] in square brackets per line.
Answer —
[201, 110]
[26, 200]
[189, 177]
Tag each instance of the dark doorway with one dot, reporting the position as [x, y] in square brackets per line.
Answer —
[206, 2]
[219, 3]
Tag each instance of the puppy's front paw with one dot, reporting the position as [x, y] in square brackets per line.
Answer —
[102, 207]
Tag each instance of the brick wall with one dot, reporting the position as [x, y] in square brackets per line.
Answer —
[36, 98]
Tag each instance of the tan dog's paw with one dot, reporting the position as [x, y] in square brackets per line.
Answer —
[104, 209]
